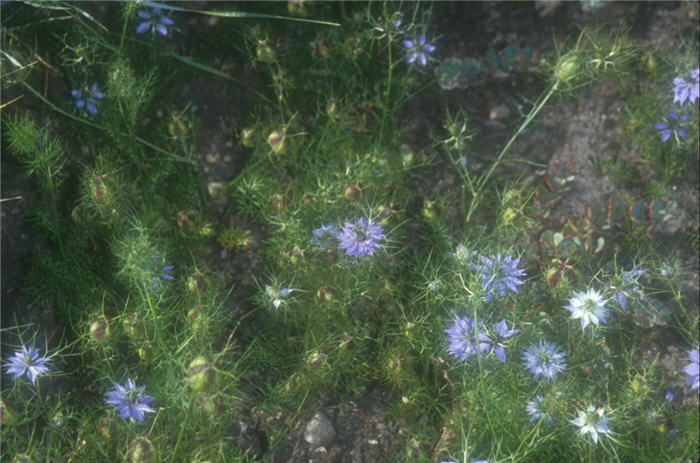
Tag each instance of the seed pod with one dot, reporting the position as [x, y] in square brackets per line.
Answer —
[132, 326]
[141, 450]
[201, 375]
[278, 141]
[326, 294]
[99, 329]
[353, 192]
[332, 108]
[145, 351]
[277, 202]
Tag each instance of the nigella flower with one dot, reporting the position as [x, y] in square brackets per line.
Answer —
[669, 394]
[495, 343]
[673, 125]
[535, 408]
[544, 360]
[417, 50]
[593, 422]
[325, 237]
[131, 401]
[26, 361]
[462, 339]
[277, 295]
[629, 280]
[498, 275]
[88, 99]
[164, 276]
[360, 238]
[683, 90]
[589, 307]
[155, 20]
[692, 370]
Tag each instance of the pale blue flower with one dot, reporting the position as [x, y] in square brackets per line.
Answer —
[683, 90]
[360, 238]
[593, 422]
[462, 339]
[27, 362]
[589, 307]
[498, 275]
[325, 237]
[155, 19]
[495, 343]
[535, 408]
[693, 370]
[544, 360]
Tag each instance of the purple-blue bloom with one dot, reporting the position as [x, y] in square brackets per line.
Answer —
[88, 99]
[498, 275]
[535, 408]
[669, 395]
[462, 339]
[360, 238]
[417, 50]
[164, 275]
[673, 125]
[325, 237]
[692, 370]
[155, 20]
[629, 280]
[683, 90]
[544, 360]
[131, 401]
[495, 343]
[26, 361]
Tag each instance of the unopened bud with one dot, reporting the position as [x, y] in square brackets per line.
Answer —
[332, 108]
[566, 69]
[248, 137]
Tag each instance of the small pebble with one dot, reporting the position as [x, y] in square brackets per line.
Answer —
[319, 431]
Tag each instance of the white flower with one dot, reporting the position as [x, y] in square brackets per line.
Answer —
[589, 307]
[277, 295]
[592, 422]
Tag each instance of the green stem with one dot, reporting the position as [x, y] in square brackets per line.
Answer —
[482, 182]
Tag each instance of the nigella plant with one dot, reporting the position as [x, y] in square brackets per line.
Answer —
[325, 237]
[592, 421]
[27, 362]
[417, 50]
[629, 286]
[277, 295]
[360, 238]
[495, 343]
[131, 401]
[674, 125]
[693, 370]
[87, 99]
[462, 338]
[589, 307]
[544, 360]
[155, 20]
[536, 409]
[498, 274]
[687, 90]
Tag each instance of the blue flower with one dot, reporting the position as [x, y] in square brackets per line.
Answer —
[630, 283]
[88, 99]
[360, 238]
[669, 395]
[593, 422]
[418, 50]
[544, 360]
[154, 20]
[26, 361]
[589, 307]
[535, 408]
[131, 401]
[683, 90]
[462, 339]
[495, 343]
[325, 237]
[673, 125]
[164, 276]
[692, 370]
[498, 275]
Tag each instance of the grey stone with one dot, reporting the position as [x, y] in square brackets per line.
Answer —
[319, 430]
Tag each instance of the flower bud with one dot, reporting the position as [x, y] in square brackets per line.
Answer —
[566, 69]
[99, 329]
[248, 137]
[100, 190]
[278, 141]
[649, 62]
[264, 52]
[332, 108]
[326, 294]
[141, 450]
[353, 192]
[201, 375]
